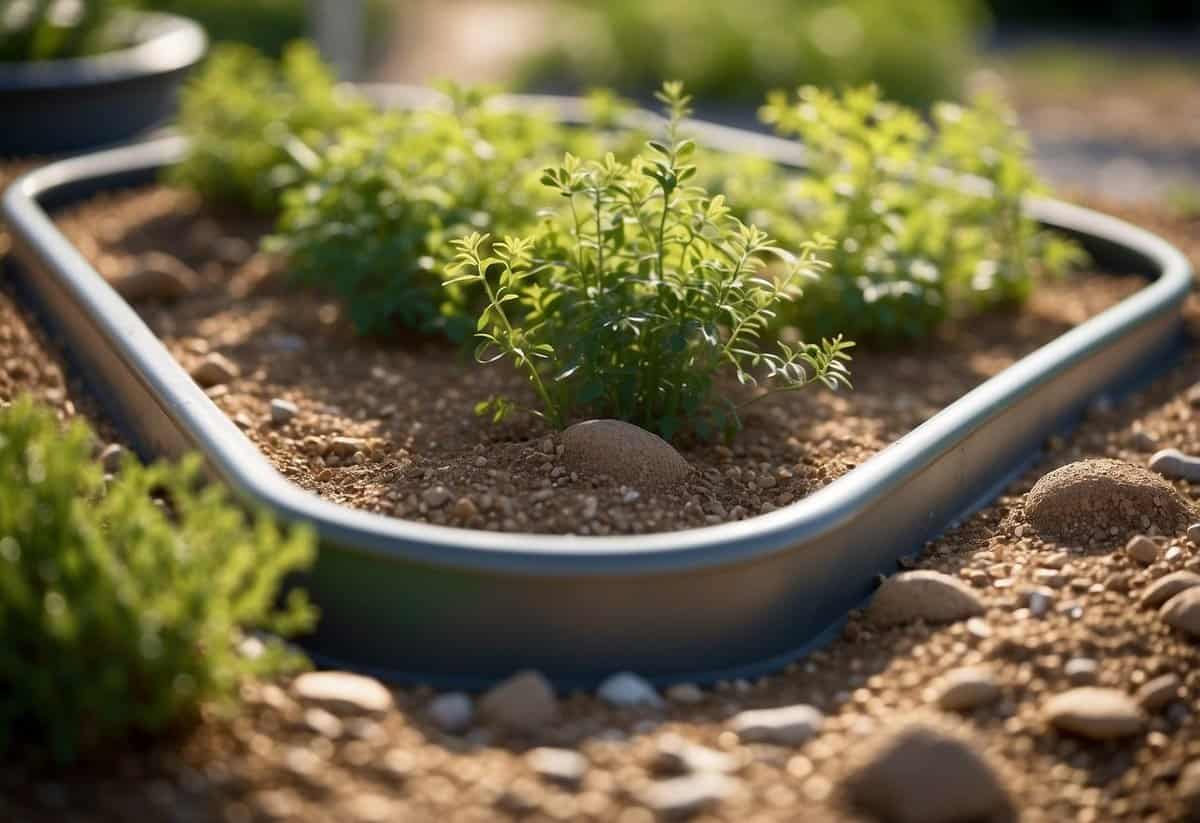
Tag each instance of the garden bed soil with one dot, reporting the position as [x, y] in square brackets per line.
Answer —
[283, 761]
[388, 426]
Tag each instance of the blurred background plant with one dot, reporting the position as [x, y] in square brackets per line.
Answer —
[55, 29]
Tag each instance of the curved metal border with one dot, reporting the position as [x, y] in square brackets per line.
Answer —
[452, 606]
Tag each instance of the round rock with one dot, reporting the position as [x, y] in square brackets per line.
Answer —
[156, 276]
[1086, 499]
[562, 766]
[452, 712]
[923, 595]
[215, 370]
[1167, 586]
[523, 703]
[282, 411]
[681, 797]
[1182, 612]
[1142, 549]
[965, 689]
[628, 689]
[624, 452]
[1095, 713]
[785, 726]
[920, 771]
[1175, 465]
[1157, 693]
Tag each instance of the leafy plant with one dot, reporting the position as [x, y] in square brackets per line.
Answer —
[639, 292]
[55, 29]
[256, 124]
[121, 603]
[916, 49]
[913, 246]
[375, 221]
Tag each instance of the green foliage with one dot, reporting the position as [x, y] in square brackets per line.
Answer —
[375, 222]
[121, 603]
[57, 29]
[917, 50]
[638, 293]
[256, 125]
[913, 248]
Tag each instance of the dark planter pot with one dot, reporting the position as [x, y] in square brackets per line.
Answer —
[459, 608]
[55, 106]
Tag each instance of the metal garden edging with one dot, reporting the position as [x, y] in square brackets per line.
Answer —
[51, 106]
[458, 608]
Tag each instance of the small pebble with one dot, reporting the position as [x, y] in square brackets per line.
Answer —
[452, 712]
[1157, 693]
[1142, 549]
[343, 692]
[1187, 790]
[436, 496]
[1167, 586]
[1182, 612]
[282, 411]
[523, 703]
[111, 457]
[687, 693]
[1081, 671]
[784, 726]
[214, 370]
[628, 689]
[561, 766]
[685, 796]
[1193, 534]
[678, 755]
[923, 595]
[1175, 465]
[1095, 713]
[964, 689]
[156, 276]
[624, 452]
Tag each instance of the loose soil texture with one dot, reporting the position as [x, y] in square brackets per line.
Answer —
[388, 426]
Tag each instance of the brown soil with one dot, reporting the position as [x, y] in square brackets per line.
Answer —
[389, 426]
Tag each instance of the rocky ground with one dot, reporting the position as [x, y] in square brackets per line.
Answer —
[1038, 662]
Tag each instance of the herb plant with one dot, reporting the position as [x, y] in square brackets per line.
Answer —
[913, 247]
[639, 292]
[256, 124]
[120, 613]
[374, 223]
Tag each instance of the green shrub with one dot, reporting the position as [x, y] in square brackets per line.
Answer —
[917, 50]
[56, 29]
[912, 247]
[120, 607]
[256, 124]
[639, 293]
[374, 223]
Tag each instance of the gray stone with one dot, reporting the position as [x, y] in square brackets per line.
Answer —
[111, 457]
[1175, 465]
[156, 276]
[1095, 713]
[628, 689]
[523, 703]
[785, 726]
[436, 496]
[452, 712]
[678, 755]
[923, 595]
[688, 693]
[624, 452]
[1081, 671]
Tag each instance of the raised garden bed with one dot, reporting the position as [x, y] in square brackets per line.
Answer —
[412, 600]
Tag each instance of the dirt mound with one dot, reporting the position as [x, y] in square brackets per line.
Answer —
[1085, 502]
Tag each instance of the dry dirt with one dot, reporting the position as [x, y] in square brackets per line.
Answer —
[388, 426]
[283, 761]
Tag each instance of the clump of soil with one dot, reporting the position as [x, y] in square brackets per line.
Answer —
[388, 425]
[1098, 501]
